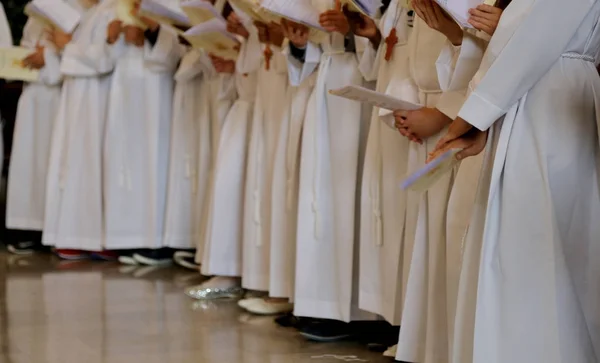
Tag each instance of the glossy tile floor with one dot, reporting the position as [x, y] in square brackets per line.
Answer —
[92, 312]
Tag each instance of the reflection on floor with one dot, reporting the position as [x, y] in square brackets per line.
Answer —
[88, 312]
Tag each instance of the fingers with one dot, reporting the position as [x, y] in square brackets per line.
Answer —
[338, 5]
[489, 9]
[482, 26]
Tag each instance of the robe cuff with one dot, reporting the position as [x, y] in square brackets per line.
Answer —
[480, 112]
[50, 75]
[369, 63]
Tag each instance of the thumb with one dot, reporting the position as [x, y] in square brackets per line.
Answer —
[338, 5]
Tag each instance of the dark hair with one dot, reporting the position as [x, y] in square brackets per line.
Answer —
[227, 9]
[502, 4]
[384, 5]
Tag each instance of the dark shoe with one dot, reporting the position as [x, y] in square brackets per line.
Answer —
[160, 257]
[22, 248]
[326, 331]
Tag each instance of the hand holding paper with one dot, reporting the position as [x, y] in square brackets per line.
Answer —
[36, 59]
[485, 18]
[17, 63]
[428, 175]
[377, 99]
[461, 135]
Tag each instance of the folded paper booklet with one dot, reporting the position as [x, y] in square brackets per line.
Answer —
[125, 11]
[164, 12]
[11, 65]
[56, 13]
[199, 11]
[301, 12]
[459, 9]
[374, 98]
[368, 7]
[212, 36]
[427, 176]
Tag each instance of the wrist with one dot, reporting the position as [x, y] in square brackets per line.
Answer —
[375, 39]
[455, 36]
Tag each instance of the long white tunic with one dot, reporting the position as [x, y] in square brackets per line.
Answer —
[222, 253]
[537, 289]
[26, 196]
[326, 273]
[74, 213]
[269, 113]
[136, 149]
[382, 202]
[284, 189]
[5, 41]
[423, 336]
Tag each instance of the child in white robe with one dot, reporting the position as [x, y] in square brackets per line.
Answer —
[74, 207]
[39, 101]
[222, 252]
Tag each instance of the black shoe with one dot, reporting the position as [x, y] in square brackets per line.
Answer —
[325, 331]
[23, 248]
[377, 335]
[160, 257]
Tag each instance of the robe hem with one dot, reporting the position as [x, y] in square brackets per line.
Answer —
[319, 310]
[185, 243]
[125, 243]
[24, 224]
[73, 243]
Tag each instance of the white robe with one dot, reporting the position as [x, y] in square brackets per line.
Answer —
[383, 206]
[534, 235]
[326, 273]
[137, 142]
[222, 255]
[284, 189]
[73, 217]
[5, 41]
[268, 116]
[423, 337]
[26, 196]
[218, 94]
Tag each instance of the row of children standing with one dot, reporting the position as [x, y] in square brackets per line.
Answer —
[286, 189]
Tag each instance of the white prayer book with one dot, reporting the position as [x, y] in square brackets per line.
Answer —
[199, 11]
[212, 36]
[11, 65]
[459, 9]
[164, 12]
[56, 13]
[299, 11]
[374, 98]
[427, 176]
[368, 7]
[125, 11]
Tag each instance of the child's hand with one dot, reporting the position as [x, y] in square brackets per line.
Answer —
[485, 18]
[59, 38]
[114, 30]
[134, 35]
[399, 117]
[425, 122]
[363, 26]
[296, 33]
[437, 19]
[222, 65]
[36, 59]
[276, 34]
[263, 31]
[335, 20]
[235, 26]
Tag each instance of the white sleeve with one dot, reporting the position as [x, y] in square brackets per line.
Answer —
[166, 52]
[533, 49]
[299, 71]
[456, 68]
[51, 75]
[250, 57]
[89, 60]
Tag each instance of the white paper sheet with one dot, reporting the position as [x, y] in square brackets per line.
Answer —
[459, 9]
[11, 65]
[200, 11]
[299, 11]
[377, 99]
[427, 176]
[164, 13]
[212, 36]
[367, 7]
[56, 12]
[125, 9]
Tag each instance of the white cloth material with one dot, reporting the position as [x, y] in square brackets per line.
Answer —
[382, 201]
[136, 148]
[219, 93]
[284, 189]
[190, 151]
[424, 317]
[74, 213]
[326, 274]
[5, 41]
[456, 68]
[268, 116]
[26, 196]
[222, 255]
[535, 296]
